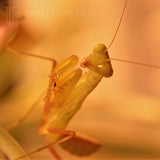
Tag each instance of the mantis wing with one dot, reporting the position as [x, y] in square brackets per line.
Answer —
[81, 145]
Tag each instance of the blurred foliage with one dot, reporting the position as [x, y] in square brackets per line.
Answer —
[123, 111]
[11, 73]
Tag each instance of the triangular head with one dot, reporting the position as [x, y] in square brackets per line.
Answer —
[99, 61]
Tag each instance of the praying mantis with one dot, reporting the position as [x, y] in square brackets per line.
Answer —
[56, 84]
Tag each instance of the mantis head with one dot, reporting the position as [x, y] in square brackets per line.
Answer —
[98, 61]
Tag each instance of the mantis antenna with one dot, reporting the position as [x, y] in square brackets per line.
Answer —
[133, 62]
[122, 60]
[120, 21]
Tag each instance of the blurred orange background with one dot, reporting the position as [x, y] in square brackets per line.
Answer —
[123, 111]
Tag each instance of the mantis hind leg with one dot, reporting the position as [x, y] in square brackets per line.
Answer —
[66, 135]
[54, 153]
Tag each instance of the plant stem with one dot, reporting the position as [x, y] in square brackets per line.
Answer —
[10, 147]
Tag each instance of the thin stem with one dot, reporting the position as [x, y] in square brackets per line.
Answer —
[9, 146]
